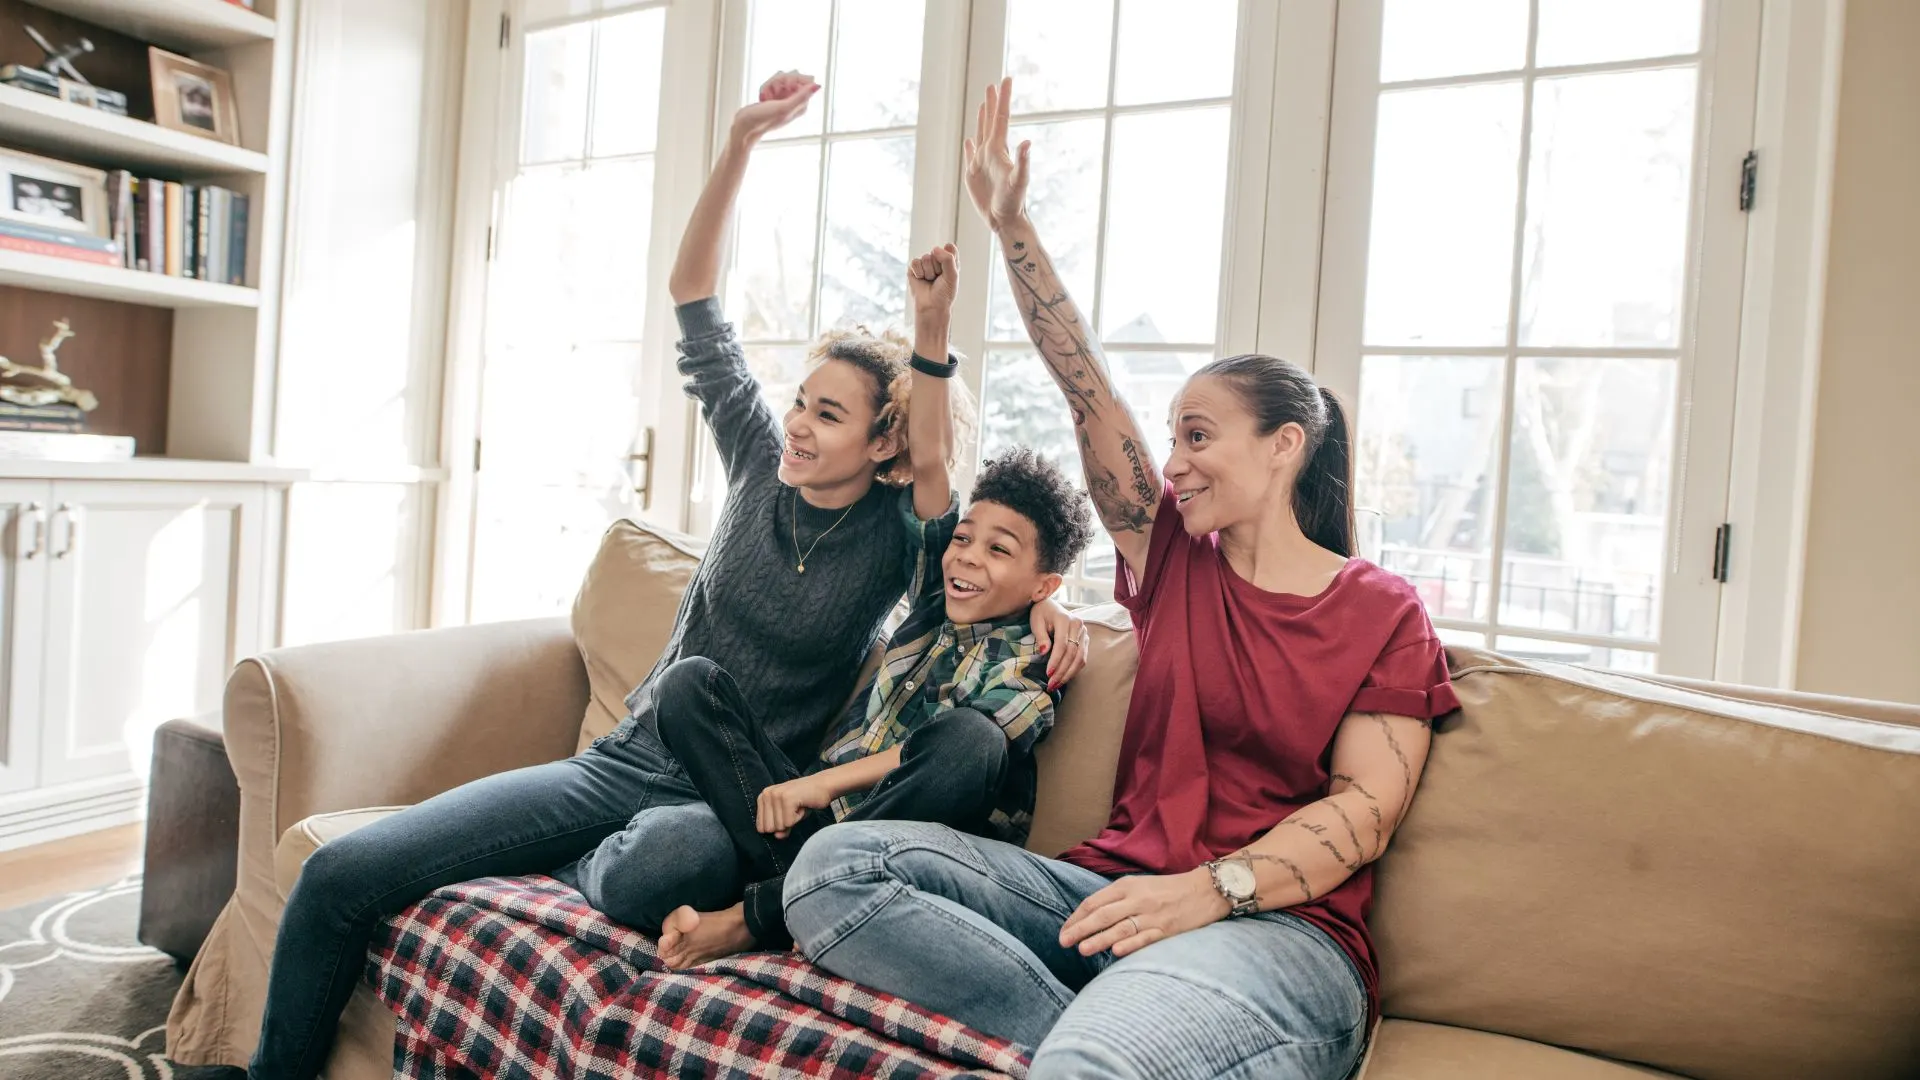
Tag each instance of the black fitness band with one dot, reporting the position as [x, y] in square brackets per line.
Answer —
[934, 367]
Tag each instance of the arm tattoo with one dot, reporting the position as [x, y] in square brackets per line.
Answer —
[1054, 324]
[1355, 785]
[1406, 768]
[1351, 835]
[1299, 878]
[1320, 833]
[1142, 490]
[1379, 830]
[1117, 512]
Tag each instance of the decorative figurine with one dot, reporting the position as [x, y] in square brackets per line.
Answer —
[46, 384]
[57, 77]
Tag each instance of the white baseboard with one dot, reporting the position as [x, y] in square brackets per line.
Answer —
[36, 817]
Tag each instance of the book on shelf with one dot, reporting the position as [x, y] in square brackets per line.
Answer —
[58, 446]
[184, 230]
[38, 240]
[41, 417]
[176, 237]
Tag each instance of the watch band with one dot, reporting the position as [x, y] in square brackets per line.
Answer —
[935, 368]
[1238, 906]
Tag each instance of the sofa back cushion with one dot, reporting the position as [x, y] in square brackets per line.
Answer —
[1713, 886]
[1077, 761]
[623, 614]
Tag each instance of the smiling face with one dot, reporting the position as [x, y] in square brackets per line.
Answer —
[992, 567]
[1224, 471]
[829, 430]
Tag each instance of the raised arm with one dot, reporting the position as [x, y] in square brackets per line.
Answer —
[932, 280]
[1121, 476]
[696, 269]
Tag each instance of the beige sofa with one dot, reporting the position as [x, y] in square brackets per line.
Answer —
[1708, 881]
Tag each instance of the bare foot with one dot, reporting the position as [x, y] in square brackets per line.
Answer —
[690, 938]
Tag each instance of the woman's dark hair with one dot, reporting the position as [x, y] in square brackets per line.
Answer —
[1279, 392]
[1035, 488]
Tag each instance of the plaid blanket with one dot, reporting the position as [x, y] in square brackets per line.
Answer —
[519, 978]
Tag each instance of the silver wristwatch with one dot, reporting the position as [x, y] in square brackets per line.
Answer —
[1233, 878]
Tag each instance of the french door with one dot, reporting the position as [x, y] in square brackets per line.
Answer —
[568, 377]
[1530, 301]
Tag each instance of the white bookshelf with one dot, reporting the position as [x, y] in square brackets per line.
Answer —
[50, 273]
[60, 128]
[178, 25]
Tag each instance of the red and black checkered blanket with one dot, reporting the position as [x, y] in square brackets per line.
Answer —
[518, 978]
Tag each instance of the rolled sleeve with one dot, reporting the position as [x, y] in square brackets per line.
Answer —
[1410, 677]
[927, 541]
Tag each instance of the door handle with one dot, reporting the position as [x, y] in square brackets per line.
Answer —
[36, 515]
[72, 514]
[643, 486]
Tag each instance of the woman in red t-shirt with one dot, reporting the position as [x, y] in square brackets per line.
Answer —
[1279, 723]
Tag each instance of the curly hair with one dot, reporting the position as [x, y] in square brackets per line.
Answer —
[883, 359]
[1035, 488]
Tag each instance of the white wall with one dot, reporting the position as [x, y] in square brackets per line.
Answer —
[363, 324]
[1860, 614]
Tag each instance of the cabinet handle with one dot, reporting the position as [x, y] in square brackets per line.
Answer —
[35, 514]
[72, 514]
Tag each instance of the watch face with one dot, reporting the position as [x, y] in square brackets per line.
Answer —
[1237, 879]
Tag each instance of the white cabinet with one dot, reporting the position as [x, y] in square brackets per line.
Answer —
[125, 605]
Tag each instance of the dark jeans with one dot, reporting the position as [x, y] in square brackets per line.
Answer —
[623, 808]
[951, 768]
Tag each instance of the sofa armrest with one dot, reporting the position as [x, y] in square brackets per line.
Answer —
[394, 720]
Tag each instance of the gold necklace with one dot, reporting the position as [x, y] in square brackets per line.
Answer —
[799, 560]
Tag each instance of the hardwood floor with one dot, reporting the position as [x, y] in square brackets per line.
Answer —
[36, 873]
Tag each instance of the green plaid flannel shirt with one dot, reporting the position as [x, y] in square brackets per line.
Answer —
[933, 665]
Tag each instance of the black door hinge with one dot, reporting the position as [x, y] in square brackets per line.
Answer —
[1749, 178]
[476, 455]
[1722, 551]
[506, 28]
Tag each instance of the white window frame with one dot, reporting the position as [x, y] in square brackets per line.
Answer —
[1279, 212]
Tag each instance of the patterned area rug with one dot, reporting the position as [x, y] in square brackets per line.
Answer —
[79, 998]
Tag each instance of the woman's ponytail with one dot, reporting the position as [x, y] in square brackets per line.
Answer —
[1323, 493]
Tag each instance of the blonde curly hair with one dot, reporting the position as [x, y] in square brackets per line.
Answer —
[883, 358]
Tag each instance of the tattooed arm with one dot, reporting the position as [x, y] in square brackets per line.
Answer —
[1377, 761]
[1121, 476]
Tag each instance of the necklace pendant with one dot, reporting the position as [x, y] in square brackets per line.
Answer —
[801, 567]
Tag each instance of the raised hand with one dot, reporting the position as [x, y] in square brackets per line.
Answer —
[782, 99]
[996, 178]
[932, 280]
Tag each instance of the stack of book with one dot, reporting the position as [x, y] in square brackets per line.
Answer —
[17, 235]
[183, 230]
[56, 433]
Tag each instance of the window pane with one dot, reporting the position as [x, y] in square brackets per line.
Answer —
[567, 266]
[788, 35]
[1174, 52]
[1150, 381]
[1607, 196]
[1469, 639]
[553, 124]
[1165, 211]
[772, 279]
[1439, 265]
[1023, 408]
[582, 444]
[1063, 198]
[1566, 652]
[626, 83]
[1428, 428]
[863, 272]
[1587, 32]
[1426, 39]
[1587, 495]
[1057, 53]
[876, 68]
[780, 369]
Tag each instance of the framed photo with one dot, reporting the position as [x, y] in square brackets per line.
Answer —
[52, 194]
[190, 96]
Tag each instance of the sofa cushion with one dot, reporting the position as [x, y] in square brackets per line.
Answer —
[624, 612]
[1077, 761]
[305, 837]
[1407, 1050]
[1716, 887]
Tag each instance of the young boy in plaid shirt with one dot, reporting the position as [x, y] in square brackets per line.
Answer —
[947, 732]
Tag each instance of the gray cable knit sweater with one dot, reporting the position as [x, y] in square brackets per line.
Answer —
[793, 642]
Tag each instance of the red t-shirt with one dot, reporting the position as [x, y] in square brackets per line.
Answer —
[1234, 710]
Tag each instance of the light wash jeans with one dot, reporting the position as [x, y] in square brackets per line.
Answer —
[970, 928]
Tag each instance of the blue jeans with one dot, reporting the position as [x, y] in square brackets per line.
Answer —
[951, 768]
[624, 808]
[970, 928]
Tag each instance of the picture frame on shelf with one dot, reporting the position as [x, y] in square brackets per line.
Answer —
[52, 194]
[192, 97]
